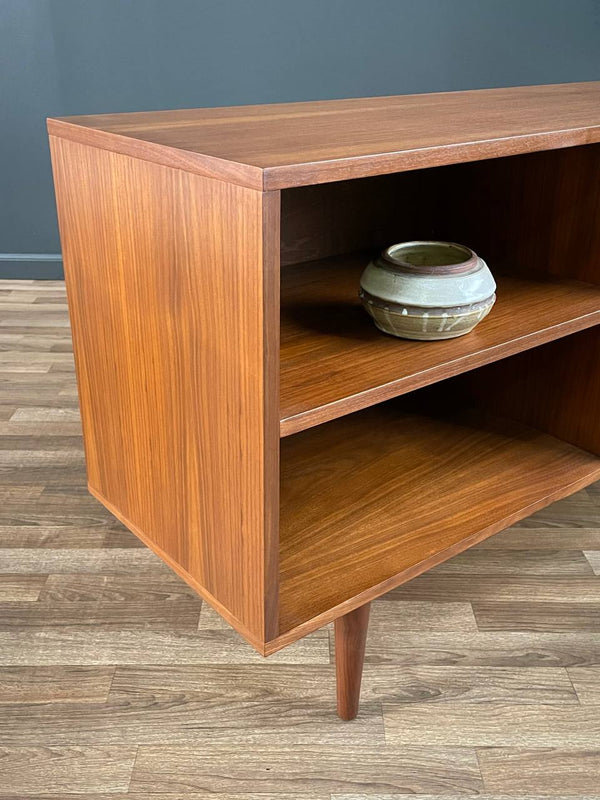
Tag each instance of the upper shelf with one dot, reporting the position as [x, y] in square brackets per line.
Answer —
[296, 144]
[334, 361]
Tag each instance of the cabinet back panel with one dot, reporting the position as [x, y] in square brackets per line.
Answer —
[526, 214]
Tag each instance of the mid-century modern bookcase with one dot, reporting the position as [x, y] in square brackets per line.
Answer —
[241, 413]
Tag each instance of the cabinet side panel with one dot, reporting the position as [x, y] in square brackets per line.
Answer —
[166, 280]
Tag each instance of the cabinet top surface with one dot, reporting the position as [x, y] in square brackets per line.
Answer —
[294, 144]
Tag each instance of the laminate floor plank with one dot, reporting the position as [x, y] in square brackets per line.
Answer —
[515, 616]
[316, 768]
[43, 515]
[492, 725]
[481, 677]
[517, 562]
[421, 616]
[593, 557]
[483, 796]
[44, 414]
[12, 368]
[57, 320]
[468, 588]
[6, 411]
[390, 683]
[55, 684]
[19, 343]
[41, 443]
[18, 495]
[200, 796]
[381, 683]
[576, 511]
[11, 307]
[10, 359]
[123, 589]
[533, 539]
[71, 645]
[101, 615]
[21, 587]
[12, 428]
[16, 396]
[180, 720]
[63, 538]
[485, 649]
[26, 770]
[586, 682]
[552, 772]
[39, 330]
[103, 561]
[252, 683]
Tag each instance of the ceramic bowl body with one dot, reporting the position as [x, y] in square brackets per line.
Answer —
[427, 290]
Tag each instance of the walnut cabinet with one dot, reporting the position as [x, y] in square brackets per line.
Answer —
[242, 415]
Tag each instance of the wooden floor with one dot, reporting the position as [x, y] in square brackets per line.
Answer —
[482, 677]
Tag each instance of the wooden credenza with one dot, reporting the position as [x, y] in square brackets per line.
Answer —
[241, 413]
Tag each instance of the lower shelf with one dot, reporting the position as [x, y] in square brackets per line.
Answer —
[379, 496]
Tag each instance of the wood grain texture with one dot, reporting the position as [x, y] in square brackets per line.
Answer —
[377, 465]
[293, 144]
[530, 214]
[554, 772]
[29, 770]
[126, 588]
[267, 682]
[173, 224]
[515, 649]
[21, 587]
[168, 274]
[170, 616]
[334, 361]
[350, 641]
[205, 685]
[424, 685]
[55, 684]
[469, 588]
[527, 215]
[515, 616]
[422, 616]
[349, 216]
[183, 720]
[576, 511]
[272, 683]
[586, 682]
[547, 562]
[316, 768]
[593, 558]
[75, 645]
[39, 560]
[545, 539]
[504, 725]
[555, 388]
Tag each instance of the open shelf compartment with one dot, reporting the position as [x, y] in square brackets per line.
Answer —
[334, 361]
[375, 498]
[383, 471]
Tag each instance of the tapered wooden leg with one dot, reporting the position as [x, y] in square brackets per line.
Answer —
[350, 639]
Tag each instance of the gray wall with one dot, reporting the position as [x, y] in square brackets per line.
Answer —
[60, 57]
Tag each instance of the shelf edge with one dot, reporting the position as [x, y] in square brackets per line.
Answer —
[394, 581]
[304, 420]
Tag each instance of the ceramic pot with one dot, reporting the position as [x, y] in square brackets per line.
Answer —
[427, 290]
